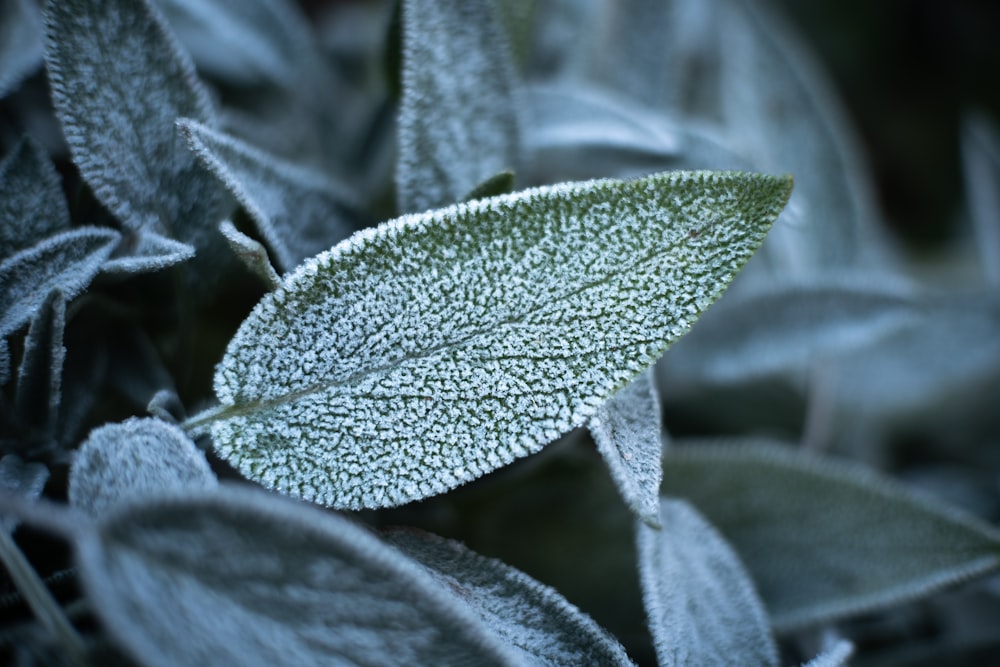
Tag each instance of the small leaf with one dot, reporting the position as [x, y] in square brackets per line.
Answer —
[835, 655]
[20, 42]
[438, 347]
[981, 158]
[147, 252]
[39, 379]
[251, 253]
[32, 205]
[498, 184]
[67, 262]
[298, 212]
[823, 539]
[701, 603]
[133, 460]
[628, 434]
[457, 120]
[531, 618]
[304, 587]
[787, 328]
[26, 480]
[119, 82]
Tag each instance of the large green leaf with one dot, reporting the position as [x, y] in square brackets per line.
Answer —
[240, 577]
[435, 348]
[824, 539]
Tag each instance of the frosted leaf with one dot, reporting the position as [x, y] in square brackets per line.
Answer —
[135, 459]
[251, 253]
[39, 378]
[981, 158]
[587, 130]
[628, 435]
[531, 618]
[67, 262]
[835, 655]
[242, 577]
[823, 539]
[26, 480]
[788, 327]
[119, 82]
[437, 347]
[32, 204]
[240, 42]
[701, 603]
[457, 118]
[297, 211]
[20, 42]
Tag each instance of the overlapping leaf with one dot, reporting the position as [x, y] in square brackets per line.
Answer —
[39, 378]
[628, 434]
[119, 82]
[251, 253]
[528, 616]
[241, 577]
[298, 212]
[32, 205]
[702, 606]
[457, 121]
[427, 352]
[823, 539]
[67, 262]
[132, 460]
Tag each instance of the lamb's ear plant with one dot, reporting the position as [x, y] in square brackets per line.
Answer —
[227, 382]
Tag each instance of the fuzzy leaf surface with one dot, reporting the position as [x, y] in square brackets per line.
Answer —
[67, 262]
[251, 253]
[824, 539]
[39, 379]
[835, 655]
[437, 347]
[134, 459]
[457, 120]
[304, 588]
[628, 434]
[119, 83]
[700, 601]
[530, 617]
[298, 212]
[32, 204]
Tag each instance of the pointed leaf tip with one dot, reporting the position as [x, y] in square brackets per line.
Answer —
[438, 347]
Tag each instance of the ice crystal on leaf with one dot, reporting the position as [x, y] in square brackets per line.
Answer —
[424, 353]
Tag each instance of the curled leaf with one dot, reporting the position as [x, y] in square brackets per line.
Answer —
[528, 616]
[251, 253]
[137, 458]
[628, 434]
[303, 588]
[702, 606]
[438, 347]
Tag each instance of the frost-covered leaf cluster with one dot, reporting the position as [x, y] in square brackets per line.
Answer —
[194, 288]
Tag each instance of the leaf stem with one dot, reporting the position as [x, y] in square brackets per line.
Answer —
[38, 597]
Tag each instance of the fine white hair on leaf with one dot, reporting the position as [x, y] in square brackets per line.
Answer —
[437, 347]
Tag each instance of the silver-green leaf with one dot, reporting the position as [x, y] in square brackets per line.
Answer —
[437, 347]
[530, 617]
[132, 460]
[824, 539]
[242, 577]
[119, 83]
[67, 262]
[298, 212]
[457, 121]
[628, 434]
[251, 253]
[702, 606]
[32, 204]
